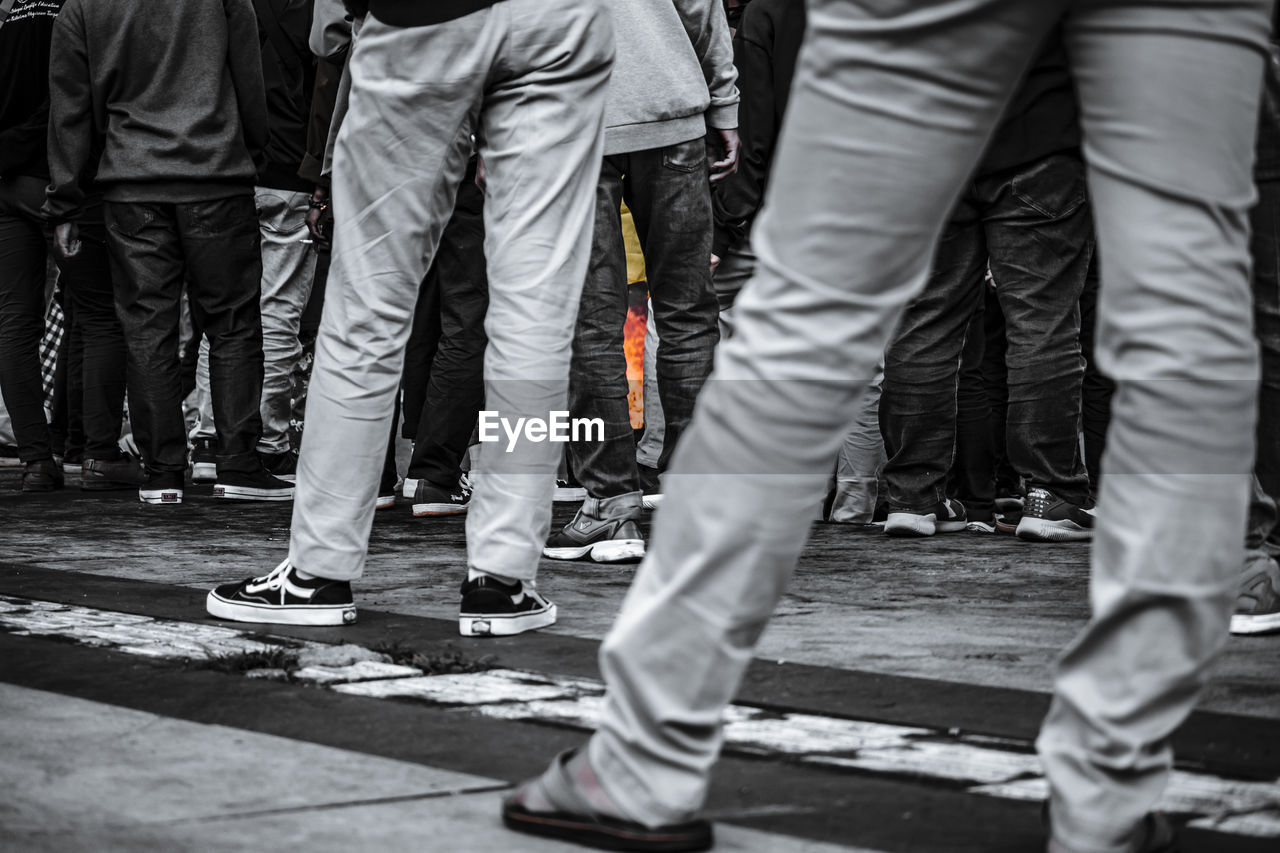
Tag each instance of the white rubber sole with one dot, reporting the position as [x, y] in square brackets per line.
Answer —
[160, 496]
[1041, 530]
[981, 527]
[288, 478]
[1244, 623]
[245, 493]
[909, 524]
[385, 502]
[609, 551]
[651, 501]
[409, 489]
[433, 510]
[301, 614]
[204, 472]
[505, 625]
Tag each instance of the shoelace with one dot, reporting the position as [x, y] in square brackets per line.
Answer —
[275, 578]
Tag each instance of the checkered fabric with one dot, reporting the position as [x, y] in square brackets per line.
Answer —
[54, 329]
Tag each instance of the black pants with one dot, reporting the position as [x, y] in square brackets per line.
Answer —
[87, 285]
[449, 325]
[214, 244]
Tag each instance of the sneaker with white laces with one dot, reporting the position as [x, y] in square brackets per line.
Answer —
[1258, 603]
[945, 517]
[204, 461]
[161, 487]
[1048, 518]
[283, 598]
[430, 500]
[258, 485]
[492, 608]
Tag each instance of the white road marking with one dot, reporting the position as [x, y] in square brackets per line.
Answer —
[993, 767]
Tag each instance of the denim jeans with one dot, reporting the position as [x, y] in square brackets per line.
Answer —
[669, 196]
[288, 270]
[1263, 533]
[1033, 225]
[215, 244]
[454, 390]
[972, 479]
[87, 285]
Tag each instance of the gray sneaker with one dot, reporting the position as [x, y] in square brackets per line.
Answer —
[604, 530]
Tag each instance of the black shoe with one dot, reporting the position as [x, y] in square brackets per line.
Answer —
[946, 517]
[204, 461]
[281, 465]
[44, 475]
[161, 487]
[73, 462]
[1048, 518]
[604, 540]
[431, 500]
[491, 608]
[283, 598]
[104, 475]
[255, 486]
[387, 488]
[650, 486]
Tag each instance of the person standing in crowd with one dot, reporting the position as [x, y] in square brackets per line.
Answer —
[1025, 215]
[176, 138]
[528, 78]
[673, 83]
[25, 36]
[282, 199]
[890, 112]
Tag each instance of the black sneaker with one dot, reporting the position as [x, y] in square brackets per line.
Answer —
[204, 461]
[607, 540]
[9, 457]
[387, 488]
[946, 517]
[256, 486]
[283, 598]
[431, 500]
[283, 466]
[161, 487]
[981, 522]
[104, 475]
[1258, 604]
[1048, 518]
[491, 608]
[650, 486]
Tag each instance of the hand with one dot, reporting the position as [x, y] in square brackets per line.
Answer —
[715, 262]
[731, 144]
[480, 173]
[319, 207]
[66, 238]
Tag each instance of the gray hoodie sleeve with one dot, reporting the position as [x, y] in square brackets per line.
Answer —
[71, 117]
[708, 30]
[244, 58]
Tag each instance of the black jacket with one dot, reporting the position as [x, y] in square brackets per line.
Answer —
[288, 72]
[173, 99]
[24, 87]
[764, 51]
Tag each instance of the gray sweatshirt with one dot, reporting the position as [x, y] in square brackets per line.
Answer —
[673, 78]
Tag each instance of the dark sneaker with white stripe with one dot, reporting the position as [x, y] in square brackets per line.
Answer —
[946, 517]
[431, 500]
[281, 465]
[256, 486]
[283, 598]
[1048, 518]
[161, 487]
[204, 461]
[1258, 604]
[491, 608]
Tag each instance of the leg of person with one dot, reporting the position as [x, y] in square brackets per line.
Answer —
[221, 243]
[147, 269]
[670, 200]
[861, 459]
[973, 473]
[542, 145]
[605, 528]
[995, 377]
[455, 390]
[1171, 184]
[649, 450]
[921, 366]
[1095, 388]
[22, 257]
[735, 270]
[419, 353]
[103, 363]
[887, 148]
[1040, 232]
[288, 269]
[401, 152]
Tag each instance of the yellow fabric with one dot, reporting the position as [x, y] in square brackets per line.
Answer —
[635, 257]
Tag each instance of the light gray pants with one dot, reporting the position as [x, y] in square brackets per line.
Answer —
[528, 77]
[288, 271]
[649, 450]
[891, 106]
